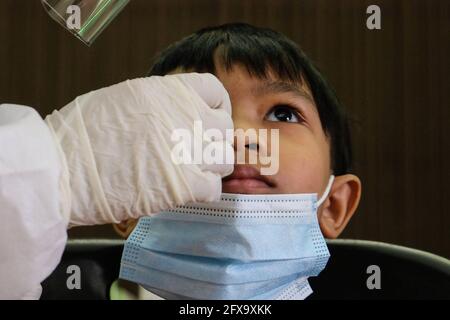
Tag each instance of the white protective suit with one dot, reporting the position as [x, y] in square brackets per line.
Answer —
[103, 158]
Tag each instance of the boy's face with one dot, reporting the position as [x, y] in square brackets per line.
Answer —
[304, 150]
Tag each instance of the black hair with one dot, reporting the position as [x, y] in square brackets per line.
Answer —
[262, 50]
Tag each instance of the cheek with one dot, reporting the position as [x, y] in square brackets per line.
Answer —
[302, 165]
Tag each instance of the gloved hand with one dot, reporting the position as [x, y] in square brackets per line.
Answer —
[115, 145]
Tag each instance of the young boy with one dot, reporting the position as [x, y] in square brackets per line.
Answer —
[273, 85]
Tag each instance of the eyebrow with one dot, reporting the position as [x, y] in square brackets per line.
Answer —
[268, 87]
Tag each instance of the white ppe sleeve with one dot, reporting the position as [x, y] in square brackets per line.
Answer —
[33, 232]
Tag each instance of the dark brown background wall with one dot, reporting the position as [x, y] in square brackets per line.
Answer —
[395, 82]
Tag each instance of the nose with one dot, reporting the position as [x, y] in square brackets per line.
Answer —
[246, 138]
[251, 136]
[245, 133]
[246, 144]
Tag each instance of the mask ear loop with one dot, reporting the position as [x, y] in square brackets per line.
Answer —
[326, 193]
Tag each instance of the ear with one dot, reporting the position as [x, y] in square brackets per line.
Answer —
[125, 228]
[340, 205]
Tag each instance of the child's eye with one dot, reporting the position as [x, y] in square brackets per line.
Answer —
[284, 113]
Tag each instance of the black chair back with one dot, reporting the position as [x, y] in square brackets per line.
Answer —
[404, 273]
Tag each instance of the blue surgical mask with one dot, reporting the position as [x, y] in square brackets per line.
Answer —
[241, 247]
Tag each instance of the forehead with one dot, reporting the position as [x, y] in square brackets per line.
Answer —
[238, 81]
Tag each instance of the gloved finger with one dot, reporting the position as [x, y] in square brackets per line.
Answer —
[213, 104]
[208, 187]
[209, 88]
[218, 123]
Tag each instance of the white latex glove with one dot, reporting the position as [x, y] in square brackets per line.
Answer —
[115, 146]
